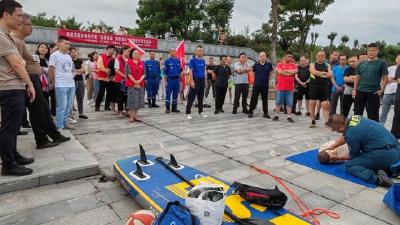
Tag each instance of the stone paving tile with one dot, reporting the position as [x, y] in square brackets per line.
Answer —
[358, 201]
[389, 216]
[12, 202]
[101, 215]
[213, 145]
[38, 215]
[348, 216]
[125, 207]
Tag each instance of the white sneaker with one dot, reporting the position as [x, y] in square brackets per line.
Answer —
[189, 117]
[203, 115]
[72, 120]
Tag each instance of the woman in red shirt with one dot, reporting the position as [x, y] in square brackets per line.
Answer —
[134, 71]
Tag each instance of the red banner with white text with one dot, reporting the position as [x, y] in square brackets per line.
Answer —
[83, 37]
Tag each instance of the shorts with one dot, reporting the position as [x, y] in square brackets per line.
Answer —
[230, 84]
[303, 91]
[284, 98]
[319, 92]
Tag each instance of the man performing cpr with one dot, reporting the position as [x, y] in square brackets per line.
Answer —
[372, 148]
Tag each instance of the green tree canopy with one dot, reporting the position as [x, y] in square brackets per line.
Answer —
[70, 23]
[300, 16]
[101, 25]
[331, 36]
[344, 39]
[42, 20]
[219, 12]
[163, 16]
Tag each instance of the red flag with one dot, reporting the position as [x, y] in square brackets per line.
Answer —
[132, 44]
[180, 53]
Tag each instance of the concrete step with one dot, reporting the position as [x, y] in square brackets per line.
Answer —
[68, 161]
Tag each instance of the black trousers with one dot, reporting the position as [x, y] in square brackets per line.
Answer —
[104, 86]
[39, 115]
[368, 100]
[12, 104]
[114, 91]
[50, 98]
[335, 97]
[295, 97]
[396, 118]
[241, 90]
[80, 94]
[197, 91]
[264, 98]
[25, 121]
[347, 102]
[122, 98]
[220, 93]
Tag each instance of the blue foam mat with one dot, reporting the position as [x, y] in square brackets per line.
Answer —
[392, 198]
[309, 159]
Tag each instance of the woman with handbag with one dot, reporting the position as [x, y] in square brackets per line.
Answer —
[134, 71]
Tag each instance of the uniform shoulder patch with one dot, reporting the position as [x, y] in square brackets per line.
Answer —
[354, 120]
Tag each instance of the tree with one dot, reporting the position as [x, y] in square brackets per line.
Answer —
[314, 37]
[102, 26]
[219, 12]
[274, 30]
[70, 23]
[41, 20]
[300, 16]
[332, 37]
[237, 40]
[163, 16]
[356, 43]
[344, 39]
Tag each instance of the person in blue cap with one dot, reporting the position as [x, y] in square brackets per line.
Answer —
[372, 148]
[172, 70]
[152, 77]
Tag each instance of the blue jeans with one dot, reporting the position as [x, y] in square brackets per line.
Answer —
[64, 99]
[96, 87]
[387, 101]
[283, 97]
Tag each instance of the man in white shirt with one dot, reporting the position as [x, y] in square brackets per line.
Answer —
[61, 72]
[390, 92]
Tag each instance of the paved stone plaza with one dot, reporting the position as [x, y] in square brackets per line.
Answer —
[221, 145]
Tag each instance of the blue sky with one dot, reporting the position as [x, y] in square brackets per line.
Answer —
[367, 20]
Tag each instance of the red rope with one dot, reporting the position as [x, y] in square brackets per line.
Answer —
[306, 212]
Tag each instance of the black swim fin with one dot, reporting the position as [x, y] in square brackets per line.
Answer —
[139, 172]
[173, 162]
[143, 157]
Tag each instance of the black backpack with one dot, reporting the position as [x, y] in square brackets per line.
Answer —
[270, 198]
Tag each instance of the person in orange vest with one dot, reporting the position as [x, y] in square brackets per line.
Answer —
[103, 77]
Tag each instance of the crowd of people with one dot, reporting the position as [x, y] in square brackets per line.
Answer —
[55, 77]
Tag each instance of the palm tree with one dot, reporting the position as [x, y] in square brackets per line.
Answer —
[344, 39]
[356, 43]
[314, 37]
[274, 36]
[332, 37]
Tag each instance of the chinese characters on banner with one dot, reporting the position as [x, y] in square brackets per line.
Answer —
[77, 36]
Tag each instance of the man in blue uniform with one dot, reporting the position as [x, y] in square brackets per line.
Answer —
[152, 73]
[197, 79]
[372, 148]
[172, 70]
